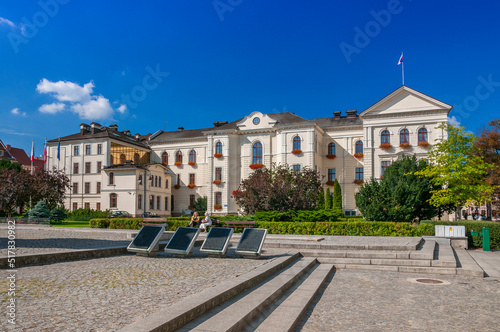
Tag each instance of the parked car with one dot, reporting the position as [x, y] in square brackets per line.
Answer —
[120, 214]
[149, 215]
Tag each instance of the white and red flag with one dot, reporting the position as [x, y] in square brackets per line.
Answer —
[400, 59]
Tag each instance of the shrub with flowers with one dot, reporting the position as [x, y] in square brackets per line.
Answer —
[217, 207]
[178, 163]
[423, 144]
[405, 145]
[217, 155]
[385, 146]
[191, 185]
[192, 163]
[297, 151]
[358, 155]
[359, 182]
[256, 166]
[217, 182]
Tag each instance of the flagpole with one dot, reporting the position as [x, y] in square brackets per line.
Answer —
[403, 71]
[32, 153]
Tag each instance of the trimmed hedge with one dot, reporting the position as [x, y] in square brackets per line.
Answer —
[473, 225]
[133, 223]
[300, 216]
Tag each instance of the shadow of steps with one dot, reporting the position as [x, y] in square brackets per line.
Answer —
[239, 312]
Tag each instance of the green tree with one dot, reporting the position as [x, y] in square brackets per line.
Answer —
[400, 195]
[7, 164]
[328, 199]
[58, 215]
[320, 203]
[200, 204]
[15, 189]
[457, 172]
[39, 211]
[337, 196]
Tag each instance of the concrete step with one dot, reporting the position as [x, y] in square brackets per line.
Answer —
[467, 266]
[426, 250]
[189, 308]
[237, 315]
[288, 314]
[366, 254]
[445, 256]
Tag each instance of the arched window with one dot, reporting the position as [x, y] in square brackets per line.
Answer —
[359, 147]
[111, 178]
[192, 156]
[164, 158]
[385, 137]
[218, 147]
[158, 202]
[178, 157]
[123, 158]
[404, 136]
[422, 135]
[156, 181]
[137, 158]
[159, 181]
[257, 153]
[139, 202]
[140, 179]
[296, 143]
[113, 200]
[151, 202]
[331, 149]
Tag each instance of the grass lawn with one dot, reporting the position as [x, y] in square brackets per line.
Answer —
[69, 223]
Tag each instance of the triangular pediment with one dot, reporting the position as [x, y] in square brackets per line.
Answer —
[405, 100]
[256, 121]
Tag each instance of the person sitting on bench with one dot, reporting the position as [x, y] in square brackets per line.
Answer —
[194, 220]
[206, 222]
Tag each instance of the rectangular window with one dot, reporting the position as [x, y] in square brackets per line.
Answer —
[158, 202]
[75, 188]
[88, 149]
[76, 150]
[75, 168]
[166, 183]
[191, 179]
[172, 202]
[87, 187]
[75, 206]
[99, 166]
[296, 168]
[151, 202]
[218, 198]
[192, 199]
[98, 206]
[359, 173]
[87, 168]
[218, 174]
[166, 203]
[385, 164]
[87, 205]
[139, 202]
[178, 179]
[99, 148]
[331, 174]
[98, 188]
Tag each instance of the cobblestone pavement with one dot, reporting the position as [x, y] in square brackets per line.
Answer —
[31, 240]
[385, 301]
[106, 294]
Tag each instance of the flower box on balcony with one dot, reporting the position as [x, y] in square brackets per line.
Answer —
[218, 155]
[164, 164]
[178, 163]
[192, 163]
[330, 183]
[423, 144]
[217, 207]
[405, 145]
[331, 156]
[256, 166]
[297, 151]
[191, 185]
[359, 182]
[385, 146]
[177, 186]
[237, 192]
[358, 155]
[217, 182]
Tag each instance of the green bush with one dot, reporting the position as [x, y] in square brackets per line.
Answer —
[86, 214]
[133, 223]
[299, 216]
[473, 225]
[57, 215]
[229, 217]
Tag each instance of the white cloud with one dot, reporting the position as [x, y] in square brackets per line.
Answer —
[52, 108]
[79, 99]
[13, 132]
[15, 111]
[66, 91]
[95, 109]
[4, 21]
[122, 108]
[453, 121]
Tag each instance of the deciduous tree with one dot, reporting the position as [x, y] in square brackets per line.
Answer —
[337, 196]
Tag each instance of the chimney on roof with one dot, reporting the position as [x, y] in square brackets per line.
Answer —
[8, 146]
[219, 123]
[336, 115]
[113, 127]
[94, 126]
[180, 128]
[84, 128]
[351, 113]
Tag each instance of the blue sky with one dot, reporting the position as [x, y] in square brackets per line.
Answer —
[150, 65]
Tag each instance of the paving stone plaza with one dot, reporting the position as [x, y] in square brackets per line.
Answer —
[109, 293]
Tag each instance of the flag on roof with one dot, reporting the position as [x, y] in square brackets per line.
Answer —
[59, 149]
[400, 59]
